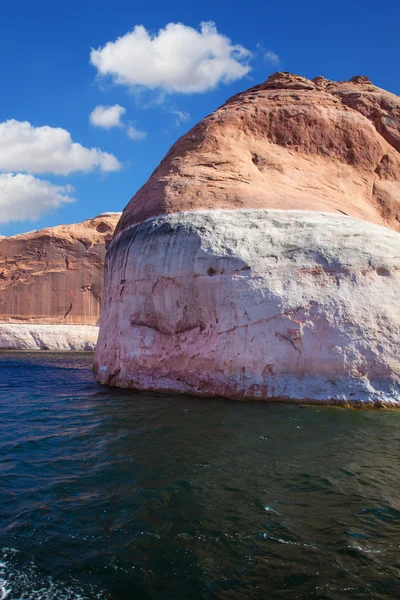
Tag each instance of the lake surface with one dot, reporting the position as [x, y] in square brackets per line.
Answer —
[112, 494]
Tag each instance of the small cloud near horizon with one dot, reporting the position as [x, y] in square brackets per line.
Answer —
[181, 116]
[25, 151]
[272, 58]
[27, 198]
[107, 117]
[269, 56]
[24, 147]
[135, 134]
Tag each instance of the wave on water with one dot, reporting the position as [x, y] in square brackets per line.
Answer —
[21, 579]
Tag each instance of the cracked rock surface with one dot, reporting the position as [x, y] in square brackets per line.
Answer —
[261, 259]
[288, 143]
[254, 304]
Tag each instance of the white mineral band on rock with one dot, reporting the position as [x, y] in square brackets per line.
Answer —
[15, 336]
[254, 304]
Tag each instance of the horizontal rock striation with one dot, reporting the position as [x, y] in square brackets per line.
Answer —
[254, 304]
[54, 277]
[261, 259]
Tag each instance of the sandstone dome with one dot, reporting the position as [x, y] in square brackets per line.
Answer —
[262, 257]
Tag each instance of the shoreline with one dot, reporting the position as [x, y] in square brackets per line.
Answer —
[301, 402]
[48, 337]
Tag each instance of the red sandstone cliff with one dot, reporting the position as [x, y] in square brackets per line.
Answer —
[55, 275]
[288, 143]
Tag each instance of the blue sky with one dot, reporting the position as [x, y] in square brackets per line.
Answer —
[48, 79]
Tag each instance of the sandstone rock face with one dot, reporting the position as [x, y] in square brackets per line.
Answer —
[54, 276]
[289, 143]
[235, 272]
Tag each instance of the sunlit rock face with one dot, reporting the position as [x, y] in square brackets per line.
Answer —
[254, 304]
[55, 337]
[261, 260]
[290, 144]
[54, 277]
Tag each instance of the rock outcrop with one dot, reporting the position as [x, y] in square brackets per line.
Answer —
[291, 144]
[262, 258]
[52, 280]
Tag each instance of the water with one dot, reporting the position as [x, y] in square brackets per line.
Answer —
[111, 494]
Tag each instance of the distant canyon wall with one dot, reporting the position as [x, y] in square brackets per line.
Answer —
[54, 277]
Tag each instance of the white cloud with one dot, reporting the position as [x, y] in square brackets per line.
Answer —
[46, 149]
[135, 134]
[272, 57]
[26, 198]
[180, 116]
[176, 59]
[110, 116]
[107, 116]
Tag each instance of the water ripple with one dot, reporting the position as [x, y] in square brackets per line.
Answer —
[113, 494]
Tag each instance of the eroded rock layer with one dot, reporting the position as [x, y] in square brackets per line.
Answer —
[55, 275]
[254, 304]
[288, 143]
[262, 258]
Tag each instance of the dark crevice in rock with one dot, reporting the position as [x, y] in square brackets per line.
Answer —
[68, 311]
